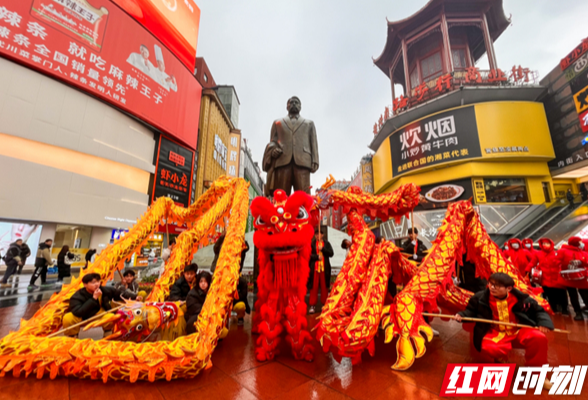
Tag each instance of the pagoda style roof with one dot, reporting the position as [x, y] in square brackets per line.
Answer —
[457, 12]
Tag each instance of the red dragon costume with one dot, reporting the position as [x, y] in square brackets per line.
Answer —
[283, 236]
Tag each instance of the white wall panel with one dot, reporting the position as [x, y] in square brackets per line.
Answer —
[39, 108]
[33, 192]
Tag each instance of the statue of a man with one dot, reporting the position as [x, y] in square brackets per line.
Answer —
[292, 154]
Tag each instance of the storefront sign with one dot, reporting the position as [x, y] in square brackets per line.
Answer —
[479, 191]
[444, 137]
[581, 100]
[442, 194]
[234, 154]
[99, 49]
[220, 152]
[174, 22]
[367, 177]
[173, 174]
[574, 55]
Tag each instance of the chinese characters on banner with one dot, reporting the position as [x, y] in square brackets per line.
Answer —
[234, 154]
[574, 55]
[444, 137]
[173, 175]
[81, 43]
[220, 152]
[448, 82]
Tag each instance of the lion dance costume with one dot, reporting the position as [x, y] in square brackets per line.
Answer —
[283, 236]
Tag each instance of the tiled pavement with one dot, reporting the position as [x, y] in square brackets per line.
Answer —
[236, 374]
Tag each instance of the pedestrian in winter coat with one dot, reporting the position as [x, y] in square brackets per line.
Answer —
[519, 256]
[195, 300]
[12, 260]
[64, 261]
[42, 262]
[90, 257]
[546, 260]
[573, 256]
[570, 197]
[25, 252]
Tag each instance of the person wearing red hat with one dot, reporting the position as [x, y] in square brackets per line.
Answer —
[519, 256]
[572, 256]
[546, 260]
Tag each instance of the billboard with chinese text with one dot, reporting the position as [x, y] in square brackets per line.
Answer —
[94, 46]
[444, 137]
[173, 173]
[174, 22]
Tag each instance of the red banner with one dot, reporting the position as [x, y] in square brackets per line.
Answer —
[99, 49]
[174, 22]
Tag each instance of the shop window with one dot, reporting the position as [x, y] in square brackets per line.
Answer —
[431, 66]
[459, 58]
[510, 190]
[74, 236]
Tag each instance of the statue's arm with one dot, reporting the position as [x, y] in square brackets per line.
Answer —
[275, 138]
[314, 148]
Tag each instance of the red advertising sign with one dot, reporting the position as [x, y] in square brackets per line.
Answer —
[584, 121]
[174, 22]
[95, 46]
[574, 55]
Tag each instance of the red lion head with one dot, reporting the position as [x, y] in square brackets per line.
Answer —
[284, 226]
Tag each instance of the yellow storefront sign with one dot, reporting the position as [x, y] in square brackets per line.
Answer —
[510, 131]
[479, 191]
[581, 100]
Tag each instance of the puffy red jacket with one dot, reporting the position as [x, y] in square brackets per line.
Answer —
[567, 254]
[547, 261]
[519, 256]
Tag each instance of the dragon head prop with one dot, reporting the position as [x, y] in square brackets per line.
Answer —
[136, 320]
[283, 226]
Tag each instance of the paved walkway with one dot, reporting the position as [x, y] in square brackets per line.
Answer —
[236, 374]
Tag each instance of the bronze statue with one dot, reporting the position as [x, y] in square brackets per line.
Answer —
[292, 153]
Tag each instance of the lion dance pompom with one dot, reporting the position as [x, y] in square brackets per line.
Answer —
[283, 236]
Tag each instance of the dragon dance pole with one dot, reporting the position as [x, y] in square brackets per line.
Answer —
[488, 321]
[95, 317]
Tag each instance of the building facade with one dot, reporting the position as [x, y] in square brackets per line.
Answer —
[458, 131]
[79, 127]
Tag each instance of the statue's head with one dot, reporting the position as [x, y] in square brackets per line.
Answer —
[294, 105]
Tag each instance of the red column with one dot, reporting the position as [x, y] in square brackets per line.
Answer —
[446, 44]
[406, 73]
[489, 43]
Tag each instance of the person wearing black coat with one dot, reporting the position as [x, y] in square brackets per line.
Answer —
[502, 302]
[467, 277]
[90, 300]
[64, 261]
[195, 300]
[25, 252]
[12, 260]
[181, 287]
[327, 253]
[408, 246]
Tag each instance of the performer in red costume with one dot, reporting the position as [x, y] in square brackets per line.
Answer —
[519, 256]
[572, 257]
[502, 302]
[528, 246]
[283, 236]
[546, 260]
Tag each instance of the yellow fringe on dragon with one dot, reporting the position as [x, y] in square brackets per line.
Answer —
[30, 350]
[354, 308]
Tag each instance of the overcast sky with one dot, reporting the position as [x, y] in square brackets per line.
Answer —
[321, 51]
